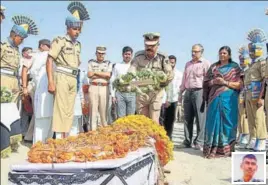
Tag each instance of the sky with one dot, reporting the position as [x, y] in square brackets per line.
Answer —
[116, 24]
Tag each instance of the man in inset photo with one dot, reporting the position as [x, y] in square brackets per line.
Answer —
[249, 167]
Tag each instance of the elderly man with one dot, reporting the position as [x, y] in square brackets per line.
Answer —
[249, 167]
[99, 73]
[151, 58]
[124, 101]
[192, 84]
[2, 15]
[65, 53]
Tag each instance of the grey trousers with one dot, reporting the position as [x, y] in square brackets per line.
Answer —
[192, 103]
[126, 103]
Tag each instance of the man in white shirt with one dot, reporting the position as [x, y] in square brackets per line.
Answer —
[125, 101]
[172, 94]
[40, 125]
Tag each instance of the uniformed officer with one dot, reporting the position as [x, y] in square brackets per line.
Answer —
[243, 138]
[10, 56]
[65, 53]
[99, 74]
[2, 15]
[150, 105]
[253, 84]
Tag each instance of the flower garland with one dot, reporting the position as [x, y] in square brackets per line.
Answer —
[6, 95]
[124, 82]
[114, 141]
[151, 129]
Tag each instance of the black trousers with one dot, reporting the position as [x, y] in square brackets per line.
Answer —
[169, 118]
[192, 104]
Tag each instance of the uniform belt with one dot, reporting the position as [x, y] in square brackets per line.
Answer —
[99, 83]
[193, 89]
[8, 72]
[73, 72]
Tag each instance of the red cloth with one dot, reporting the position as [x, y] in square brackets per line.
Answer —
[27, 104]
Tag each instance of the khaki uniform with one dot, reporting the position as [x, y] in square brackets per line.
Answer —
[150, 106]
[242, 119]
[10, 58]
[98, 93]
[255, 115]
[65, 54]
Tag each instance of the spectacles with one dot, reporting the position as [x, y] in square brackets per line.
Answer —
[195, 51]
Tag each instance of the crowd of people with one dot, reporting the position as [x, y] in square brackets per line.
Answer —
[56, 99]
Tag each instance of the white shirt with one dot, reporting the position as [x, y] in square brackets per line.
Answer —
[173, 88]
[118, 70]
[39, 60]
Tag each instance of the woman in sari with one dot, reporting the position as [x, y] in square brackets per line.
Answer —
[221, 93]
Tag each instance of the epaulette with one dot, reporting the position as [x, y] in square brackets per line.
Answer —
[92, 60]
[141, 52]
[261, 60]
[161, 53]
[107, 61]
[58, 38]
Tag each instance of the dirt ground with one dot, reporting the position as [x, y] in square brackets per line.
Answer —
[188, 167]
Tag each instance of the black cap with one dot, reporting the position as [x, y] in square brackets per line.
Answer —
[44, 42]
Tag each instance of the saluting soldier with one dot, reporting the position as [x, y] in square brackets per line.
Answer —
[253, 83]
[10, 56]
[65, 52]
[99, 74]
[150, 105]
[2, 15]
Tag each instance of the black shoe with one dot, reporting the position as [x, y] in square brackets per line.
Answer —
[184, 145]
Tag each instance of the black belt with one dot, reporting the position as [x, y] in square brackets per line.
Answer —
[194, 89]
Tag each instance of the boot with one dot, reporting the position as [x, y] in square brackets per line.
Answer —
[260, 145]
[251, 144]
[243, 140]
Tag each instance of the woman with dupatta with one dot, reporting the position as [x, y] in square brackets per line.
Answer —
[221, 92]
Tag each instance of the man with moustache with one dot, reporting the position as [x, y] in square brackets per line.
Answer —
[192, 85]
[99, 73]
[153, 59]
[249, 167]
[124, 101]
[65, 53]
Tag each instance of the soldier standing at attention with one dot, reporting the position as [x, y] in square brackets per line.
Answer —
[99, 74]
[65, 52]
[151, 58]
[253, 82]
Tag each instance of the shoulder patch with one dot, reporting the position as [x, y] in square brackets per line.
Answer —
[139, 53]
